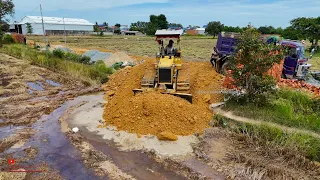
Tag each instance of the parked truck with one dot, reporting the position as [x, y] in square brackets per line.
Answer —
[295, 62]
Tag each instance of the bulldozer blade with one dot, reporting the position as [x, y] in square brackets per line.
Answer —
[185, 96]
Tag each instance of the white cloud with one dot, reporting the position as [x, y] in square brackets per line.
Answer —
[52, 5]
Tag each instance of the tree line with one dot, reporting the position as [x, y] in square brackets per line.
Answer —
[300, 28]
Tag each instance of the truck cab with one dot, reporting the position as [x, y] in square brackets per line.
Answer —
[295, 62]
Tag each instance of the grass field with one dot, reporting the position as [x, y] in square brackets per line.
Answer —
[288, 107]
[315, 62]
[193, 48]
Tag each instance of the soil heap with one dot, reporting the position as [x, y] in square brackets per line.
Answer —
[152, 112]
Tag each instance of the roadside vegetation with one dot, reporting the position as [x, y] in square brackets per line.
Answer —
[71, 64]
[268, 137]
[258, 98]
[287, 107]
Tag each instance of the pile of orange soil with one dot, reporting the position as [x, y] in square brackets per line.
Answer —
[152, 112]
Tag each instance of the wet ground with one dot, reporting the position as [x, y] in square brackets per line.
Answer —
[35, 131]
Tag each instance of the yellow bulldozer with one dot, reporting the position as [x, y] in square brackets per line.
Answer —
[168, 76]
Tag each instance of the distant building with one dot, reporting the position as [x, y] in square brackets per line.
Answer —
[201, 31]
[53, 25]
[197, 31]
[191, 32]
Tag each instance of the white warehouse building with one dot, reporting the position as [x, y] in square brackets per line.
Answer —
[53, 25]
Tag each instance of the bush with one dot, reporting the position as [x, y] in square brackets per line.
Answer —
[18, 38]
[7, 39]
[73, 57]
[58, 53]
[85, 59]
[88, 74]
[250, 64]
[100, 70]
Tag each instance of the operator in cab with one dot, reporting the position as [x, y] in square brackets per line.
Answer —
[169, 50]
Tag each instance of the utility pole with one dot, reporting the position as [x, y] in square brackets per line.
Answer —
[65, 35]
[44, 34]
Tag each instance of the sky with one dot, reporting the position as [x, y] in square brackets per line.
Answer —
[277, 13]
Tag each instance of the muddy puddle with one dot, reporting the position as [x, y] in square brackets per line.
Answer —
[7, 130]
[56, 150]
[53, 147]
[38, 86]
[52, 83]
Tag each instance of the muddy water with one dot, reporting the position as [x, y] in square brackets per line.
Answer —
[7, 130]
[54, 148]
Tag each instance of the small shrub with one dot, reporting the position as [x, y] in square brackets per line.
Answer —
[100, 71]
[58, 53]
[18, 38]
[7, 39]
[73, 57]
[249, 65]
[85, 59]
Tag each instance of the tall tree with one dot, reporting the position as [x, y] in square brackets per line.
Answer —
[162, 22]
[29, 28]
[214, 28]
[290, 33]
[6, 8]
[4, 26]
[175, 25]
[117, 29]
[309, 28]
[139, 26]
[105, 24]
[157, 22]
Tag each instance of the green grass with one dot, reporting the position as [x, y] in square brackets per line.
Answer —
[288, 107]
[315, 62]
[268, 136]
[89, 74]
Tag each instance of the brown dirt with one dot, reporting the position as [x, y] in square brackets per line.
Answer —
[153, 112]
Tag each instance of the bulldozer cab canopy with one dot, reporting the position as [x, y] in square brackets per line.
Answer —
[168, 35]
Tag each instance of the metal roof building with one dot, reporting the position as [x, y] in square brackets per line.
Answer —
[54, 25]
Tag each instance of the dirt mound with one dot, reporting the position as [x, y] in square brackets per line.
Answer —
[153, 112]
